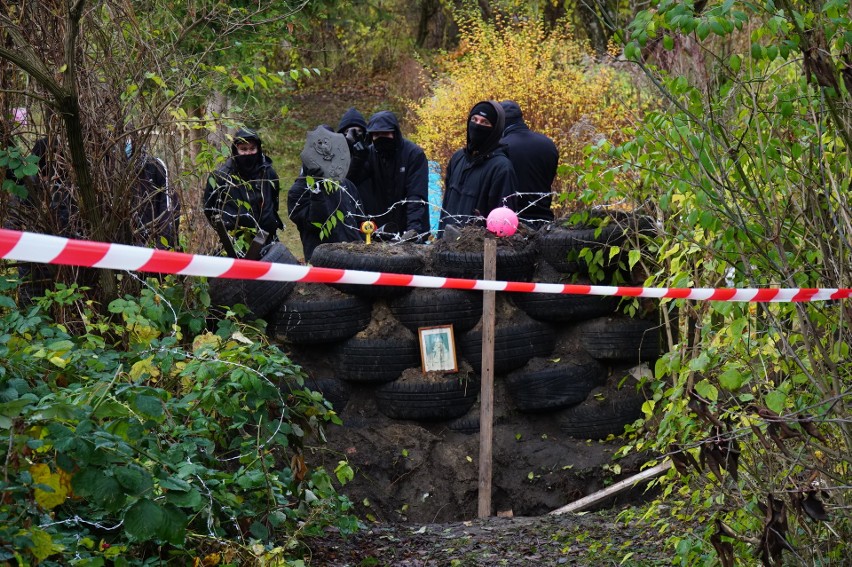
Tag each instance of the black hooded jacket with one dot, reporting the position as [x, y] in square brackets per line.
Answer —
[401, 177]
[535, 158]
[309, 209]
[477, 182]
[244, 196]
[156, 205]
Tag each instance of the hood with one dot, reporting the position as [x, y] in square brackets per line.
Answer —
[493, 140]
[249, 136]
[514, 116]
[385, 121]
[351, 118]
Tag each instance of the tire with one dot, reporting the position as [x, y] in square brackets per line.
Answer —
[466, 424]
[514, 345]
[512, 265]
[561, 246]
[564, 308]
[428, 307]
[377, 257]
[311, 320]
[620, 338]
[599, 418]
[427, 400]
[335, 391]
[261, 297]
[558, 385]
[376, 360]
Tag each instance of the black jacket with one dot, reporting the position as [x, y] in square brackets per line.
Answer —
[307, 208]
[244, 198]
[396, 194]
[477, 182]
[535, 158]
[156, 209]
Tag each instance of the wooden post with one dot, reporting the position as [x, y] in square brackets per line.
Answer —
[486, 411]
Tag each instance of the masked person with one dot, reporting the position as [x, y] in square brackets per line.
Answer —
[156, 207]
[535, 158]
[396, 195]
[353, 126]
[479, 176]
[242, 195]
[320, 191]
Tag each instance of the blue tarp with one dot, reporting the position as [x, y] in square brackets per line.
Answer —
[435, 196]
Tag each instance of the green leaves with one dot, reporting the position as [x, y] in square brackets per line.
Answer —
[147, 520]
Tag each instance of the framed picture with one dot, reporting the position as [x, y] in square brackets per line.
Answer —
[438, 349]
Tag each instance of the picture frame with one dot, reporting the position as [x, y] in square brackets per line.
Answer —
[438, 349]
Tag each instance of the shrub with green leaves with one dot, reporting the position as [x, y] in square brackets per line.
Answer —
[145, 437]
[749, 175]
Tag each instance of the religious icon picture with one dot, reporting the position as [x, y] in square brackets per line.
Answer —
[438, 349]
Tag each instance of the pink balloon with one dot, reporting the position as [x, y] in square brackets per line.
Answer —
[502, 221]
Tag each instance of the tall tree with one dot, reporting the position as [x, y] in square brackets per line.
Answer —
[97, 73]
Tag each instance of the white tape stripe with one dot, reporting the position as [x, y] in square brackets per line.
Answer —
[428, 281]
[38, 248]
[358, 277]
[285, 273]
[212, 266]
[119, 257]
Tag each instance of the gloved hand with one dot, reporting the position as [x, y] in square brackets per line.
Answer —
[408, 236]
[312, 171]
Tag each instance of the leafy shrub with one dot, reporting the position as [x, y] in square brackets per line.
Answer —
[563, 92]
[750, 175]
[131, 441]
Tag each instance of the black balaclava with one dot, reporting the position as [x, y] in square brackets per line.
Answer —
[385, 121]
[247, 165]
[483, 139]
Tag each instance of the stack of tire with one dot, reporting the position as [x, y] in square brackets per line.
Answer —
[588, 390]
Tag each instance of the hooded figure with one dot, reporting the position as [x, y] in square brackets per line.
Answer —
[479, 177]
[535, 158]
[312, 207]
[244, 191]
[396, 195]
[354, 127]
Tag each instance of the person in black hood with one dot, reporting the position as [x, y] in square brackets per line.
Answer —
[396, 195]
[156, 207]
[314, 207]
[535, 158]
[354, 127]
[479, 177]
[243, 193]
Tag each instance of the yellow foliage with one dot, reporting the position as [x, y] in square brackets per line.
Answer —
[43, 546]
[562, 90]
[61, 486]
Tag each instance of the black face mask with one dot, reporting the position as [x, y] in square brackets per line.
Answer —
[477, 135]
[246, 164]
[385, 145]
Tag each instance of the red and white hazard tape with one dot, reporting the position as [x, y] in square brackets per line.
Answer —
[40, 248]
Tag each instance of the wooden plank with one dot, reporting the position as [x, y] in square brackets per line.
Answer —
[620, 486]
[486, 411]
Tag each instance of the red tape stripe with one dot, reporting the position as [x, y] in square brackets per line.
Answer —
[80, 253]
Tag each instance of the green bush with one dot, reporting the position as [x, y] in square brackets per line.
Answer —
[145, 436]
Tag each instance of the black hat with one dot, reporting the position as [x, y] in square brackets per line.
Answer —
[487, 110]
